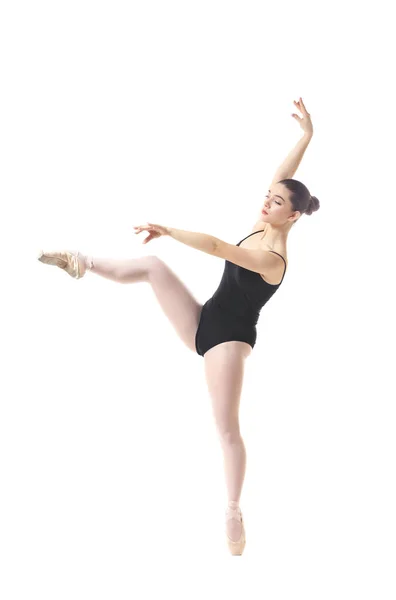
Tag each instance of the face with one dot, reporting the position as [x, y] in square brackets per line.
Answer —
[278, 206]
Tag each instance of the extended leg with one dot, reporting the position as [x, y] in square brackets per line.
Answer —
[177, 302]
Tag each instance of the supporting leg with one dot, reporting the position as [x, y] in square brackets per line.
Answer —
[234, 454]
[224, 368]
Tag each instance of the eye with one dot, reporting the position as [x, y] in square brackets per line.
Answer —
[280, 204]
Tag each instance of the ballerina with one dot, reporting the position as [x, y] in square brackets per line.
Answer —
[223, 330]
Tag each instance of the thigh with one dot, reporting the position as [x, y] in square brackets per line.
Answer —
[224, 371]
[177, 302]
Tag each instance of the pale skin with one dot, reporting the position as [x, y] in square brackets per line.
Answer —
[223, 364]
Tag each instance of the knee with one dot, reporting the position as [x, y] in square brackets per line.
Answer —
[156, 267]
[230, 436]
[137, 269]
[155, 262]
[154, 258]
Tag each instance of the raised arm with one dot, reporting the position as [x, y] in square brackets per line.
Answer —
[290, 165]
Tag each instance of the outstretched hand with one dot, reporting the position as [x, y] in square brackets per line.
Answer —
[154, 230]
[305, 122]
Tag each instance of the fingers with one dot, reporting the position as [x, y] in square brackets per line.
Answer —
[300, 104]
[142, 228]
[303, 105]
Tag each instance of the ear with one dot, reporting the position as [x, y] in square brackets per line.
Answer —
[295, 216]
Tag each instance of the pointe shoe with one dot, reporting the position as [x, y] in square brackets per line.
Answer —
[71, 262]
[236, 548]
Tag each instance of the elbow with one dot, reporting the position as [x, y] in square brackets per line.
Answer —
[217, 247]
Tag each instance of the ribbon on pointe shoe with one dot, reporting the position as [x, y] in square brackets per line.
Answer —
[233, 511]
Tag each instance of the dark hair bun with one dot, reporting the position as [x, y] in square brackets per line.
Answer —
[313, 205]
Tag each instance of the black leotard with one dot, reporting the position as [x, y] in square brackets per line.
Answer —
[234, 309]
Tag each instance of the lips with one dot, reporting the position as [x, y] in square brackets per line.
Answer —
[264, 212]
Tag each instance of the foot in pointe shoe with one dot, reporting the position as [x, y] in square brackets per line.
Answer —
[235, 546]
[74, 263]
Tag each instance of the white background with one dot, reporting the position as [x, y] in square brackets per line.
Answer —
[118, 113]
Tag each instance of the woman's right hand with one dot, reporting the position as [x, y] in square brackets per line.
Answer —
[305, 122]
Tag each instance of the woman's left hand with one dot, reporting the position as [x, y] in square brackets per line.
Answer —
[154, 230]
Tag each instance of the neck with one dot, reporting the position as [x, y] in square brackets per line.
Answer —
[275, 235]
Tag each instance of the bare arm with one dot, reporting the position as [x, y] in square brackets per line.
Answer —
[200, 241]
[259, 261]
[293, 159]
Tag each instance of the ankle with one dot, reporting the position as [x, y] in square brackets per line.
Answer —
[88, 262]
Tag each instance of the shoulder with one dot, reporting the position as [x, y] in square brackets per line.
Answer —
[259, 227]
[263, 227]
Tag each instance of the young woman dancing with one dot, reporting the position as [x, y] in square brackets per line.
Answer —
[223, 330]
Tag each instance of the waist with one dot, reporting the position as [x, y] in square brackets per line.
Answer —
[227, 309]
